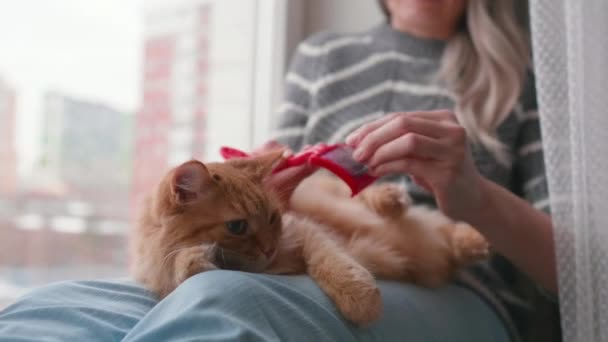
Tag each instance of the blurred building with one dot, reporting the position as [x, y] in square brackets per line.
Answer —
[170, 128]
[48, 238]
[74, 213]
[85, 148]
[8, 161]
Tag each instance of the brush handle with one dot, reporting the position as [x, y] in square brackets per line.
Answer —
[346, 169]
[297, 159]
[300, 158]
[304, 156]
[338, 160]
[232, 153]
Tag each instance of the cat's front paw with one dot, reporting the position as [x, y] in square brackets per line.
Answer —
[388, 200]
[357, 296]
[193, 260]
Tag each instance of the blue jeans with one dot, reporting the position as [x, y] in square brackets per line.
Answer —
[235, 306]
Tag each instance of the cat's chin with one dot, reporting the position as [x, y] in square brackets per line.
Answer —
[226, 259]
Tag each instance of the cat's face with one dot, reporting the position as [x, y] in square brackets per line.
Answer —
[223, 204]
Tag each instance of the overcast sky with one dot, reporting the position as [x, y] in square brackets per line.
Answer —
[86, 48]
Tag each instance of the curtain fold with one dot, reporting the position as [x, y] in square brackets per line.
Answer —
[570, 44]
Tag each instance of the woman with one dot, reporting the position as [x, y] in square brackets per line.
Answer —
[466, 58]
[459, 68]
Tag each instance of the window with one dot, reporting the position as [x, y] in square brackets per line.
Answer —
[98, 98]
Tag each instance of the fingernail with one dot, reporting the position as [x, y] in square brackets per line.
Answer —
[359, 154]
[350, 139]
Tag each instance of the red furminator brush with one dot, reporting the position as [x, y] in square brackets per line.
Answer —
[337, 159]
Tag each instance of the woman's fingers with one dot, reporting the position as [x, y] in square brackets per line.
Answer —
[291, 175]
[358, 135]
[399, 126]
[284, 182]
[355, 137]
[414, 167]
[436, 115]
[412, 146]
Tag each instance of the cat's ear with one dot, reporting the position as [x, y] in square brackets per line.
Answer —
[189, 181]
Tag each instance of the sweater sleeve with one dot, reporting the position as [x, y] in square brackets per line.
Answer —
[529, 167]
[298, 102]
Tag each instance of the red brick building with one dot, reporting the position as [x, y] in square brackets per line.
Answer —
[170, 127]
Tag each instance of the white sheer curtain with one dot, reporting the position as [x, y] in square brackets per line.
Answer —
[570, 40]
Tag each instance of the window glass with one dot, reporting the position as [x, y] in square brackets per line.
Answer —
[98, 98]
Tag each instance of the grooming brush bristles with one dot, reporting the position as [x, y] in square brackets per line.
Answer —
[343, 156]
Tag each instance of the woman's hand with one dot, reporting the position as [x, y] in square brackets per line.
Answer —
[284, 182]
[432, 148]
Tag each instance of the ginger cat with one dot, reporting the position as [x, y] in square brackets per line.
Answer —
[220, 216]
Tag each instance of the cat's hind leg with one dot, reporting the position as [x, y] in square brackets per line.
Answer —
[468, 245]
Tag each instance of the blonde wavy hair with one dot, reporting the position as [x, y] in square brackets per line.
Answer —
[484, 64]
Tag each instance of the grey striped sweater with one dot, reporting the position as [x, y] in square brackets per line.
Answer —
[337, 82]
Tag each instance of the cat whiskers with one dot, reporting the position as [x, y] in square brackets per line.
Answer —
[223, 257]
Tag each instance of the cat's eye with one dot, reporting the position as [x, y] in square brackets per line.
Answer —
[237, 227]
